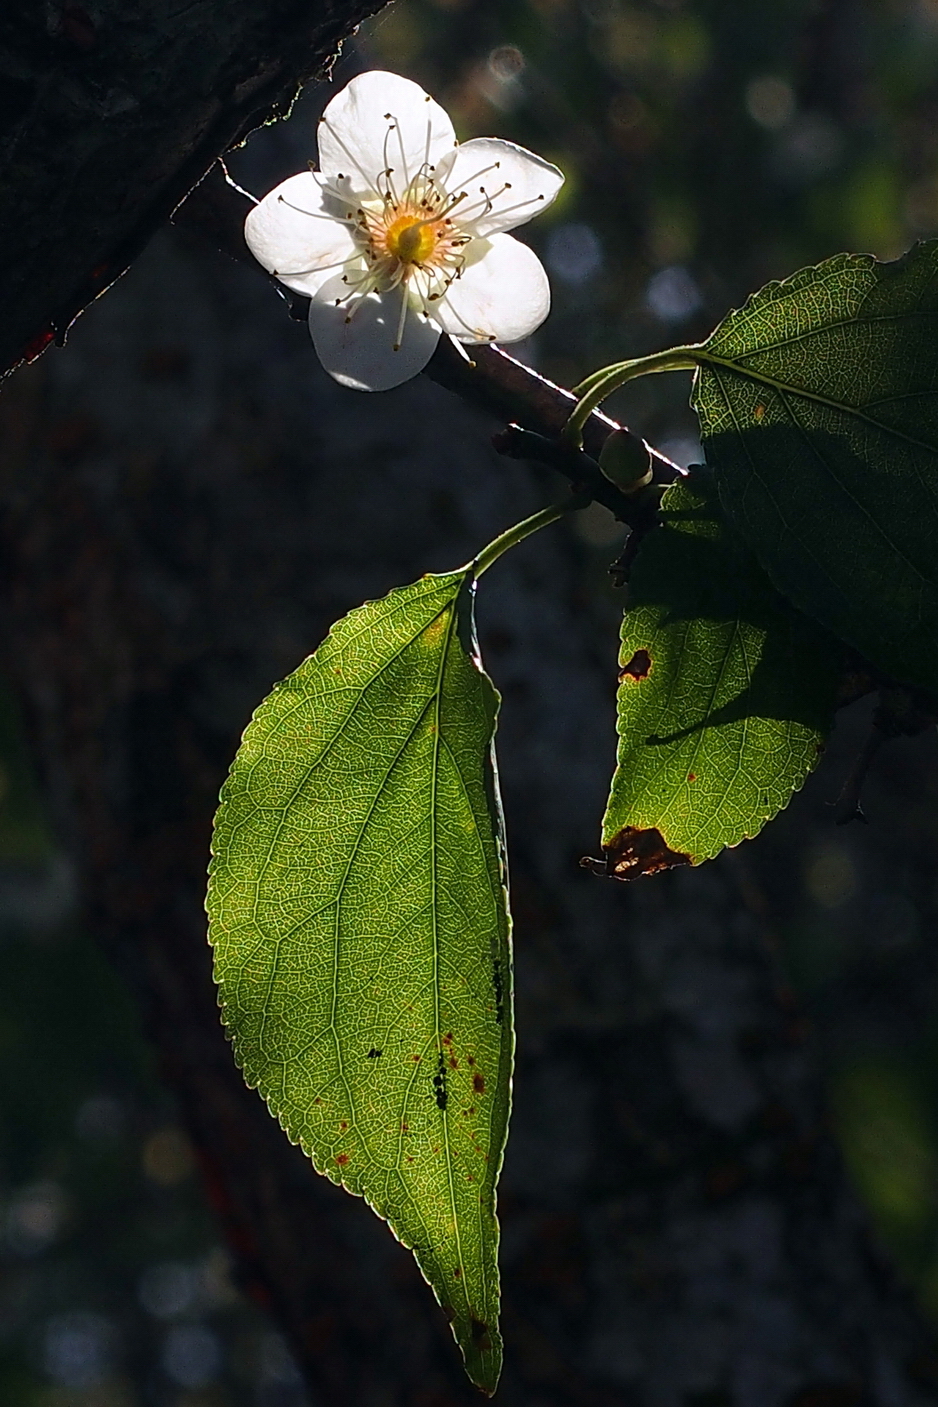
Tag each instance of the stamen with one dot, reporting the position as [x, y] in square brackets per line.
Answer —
[401, 320]
[313, 214]
[426, 298]
[320, 269]
[366, 281]
[505, 210]
[429, 193]
[400, 142]
[461, 349]
[476, 334]
[354, 308]
[389, 172]
[488, 198]
[426, 150]
[349, 199]
[483, 171]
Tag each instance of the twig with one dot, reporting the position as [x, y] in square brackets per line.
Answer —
[492, 380]
[580, 468]
[901, 713]
[847, 807]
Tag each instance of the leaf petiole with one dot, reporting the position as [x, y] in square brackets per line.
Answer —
[602, 383]
[513, 535]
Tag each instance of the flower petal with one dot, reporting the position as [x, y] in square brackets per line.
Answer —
[297, 235]
[502, 295]
[381, 121]
[360, 353]
[505, 185]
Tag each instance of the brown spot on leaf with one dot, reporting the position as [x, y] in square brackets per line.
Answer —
[343, 1125]
[472, 1060]
[758, 412]
[638, 667]
[478, 1084]
[481, 1338]
[448, 1038]
[342, 1159]
[635, 852]
[458, 1273]
[692, 776]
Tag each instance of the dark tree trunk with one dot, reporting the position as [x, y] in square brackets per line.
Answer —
[109, 115]
[187, 504]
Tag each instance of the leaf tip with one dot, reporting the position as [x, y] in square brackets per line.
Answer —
[482, 1354]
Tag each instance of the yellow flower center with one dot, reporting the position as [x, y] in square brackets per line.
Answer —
[411, 239]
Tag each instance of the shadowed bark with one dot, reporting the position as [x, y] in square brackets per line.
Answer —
[110, 114]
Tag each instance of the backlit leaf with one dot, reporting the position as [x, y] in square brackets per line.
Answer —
[725, 694]
[360, 925]
[819, 410]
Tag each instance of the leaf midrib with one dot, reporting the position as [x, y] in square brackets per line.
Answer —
[782, 387]
[437, 744]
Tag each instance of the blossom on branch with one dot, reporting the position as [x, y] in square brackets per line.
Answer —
[400, 235]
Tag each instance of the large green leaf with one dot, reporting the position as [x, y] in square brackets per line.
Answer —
[360, 924]
[819, 408]
[725, 695]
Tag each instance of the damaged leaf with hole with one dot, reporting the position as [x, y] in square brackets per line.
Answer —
[725, 694]
[633, 852]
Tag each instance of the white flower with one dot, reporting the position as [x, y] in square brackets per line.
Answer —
[399, 236]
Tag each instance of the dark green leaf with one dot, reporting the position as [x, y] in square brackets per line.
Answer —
[725, 696]
[819, 409]
[360, 924]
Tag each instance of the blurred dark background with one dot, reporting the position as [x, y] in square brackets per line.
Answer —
[708, 148]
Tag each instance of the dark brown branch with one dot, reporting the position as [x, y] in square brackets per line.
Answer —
[576, 465]
[489, 379]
